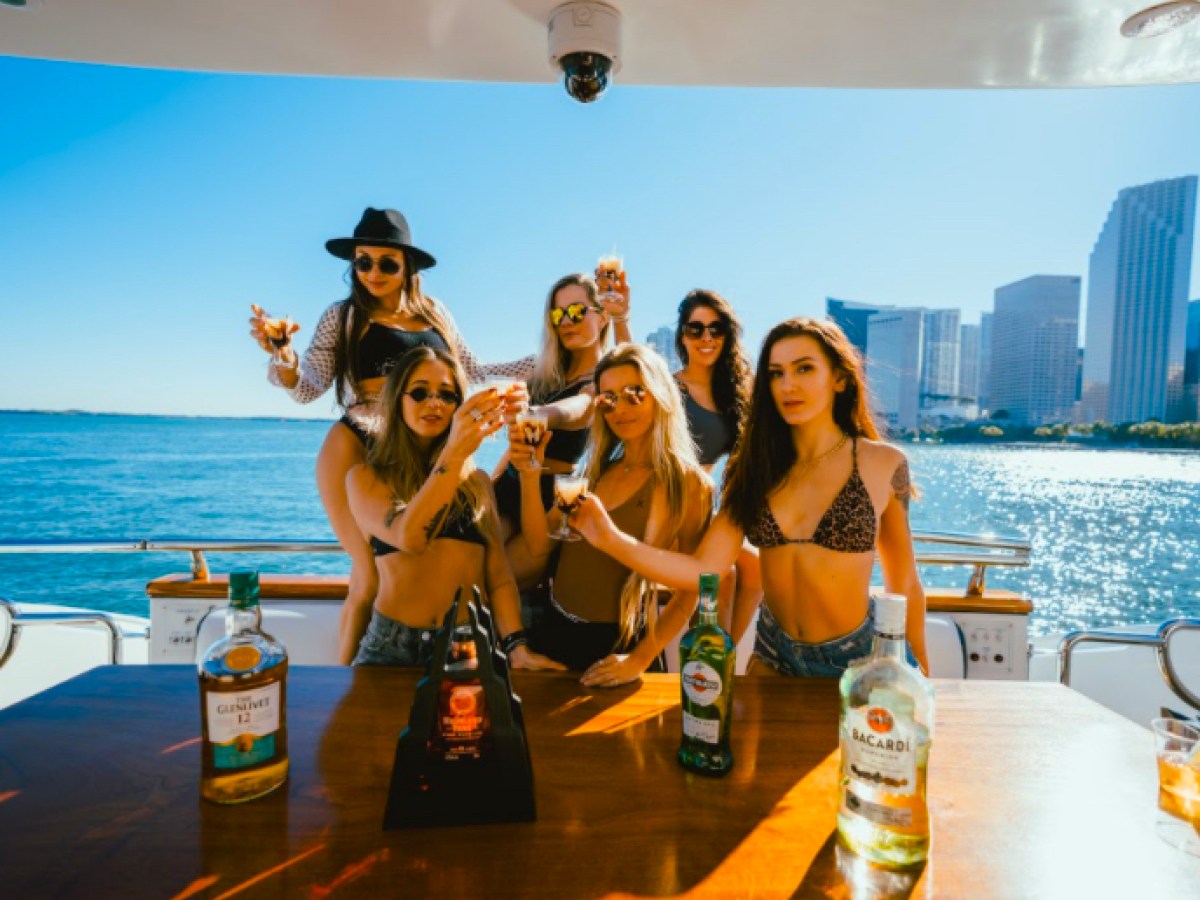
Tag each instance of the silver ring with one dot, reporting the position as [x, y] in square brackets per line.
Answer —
[476, 415]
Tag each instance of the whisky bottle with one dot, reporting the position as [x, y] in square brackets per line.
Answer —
[706, 664]
[463, 720]
[886, 734]
[243, 699]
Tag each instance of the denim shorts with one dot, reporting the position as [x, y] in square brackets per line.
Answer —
[827, 659]
[391, 643]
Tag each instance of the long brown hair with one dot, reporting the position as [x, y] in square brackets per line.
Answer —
[399, 461]
[552, 363]
[354, 317]
[767, 453]
[731, 378]
[673, 463]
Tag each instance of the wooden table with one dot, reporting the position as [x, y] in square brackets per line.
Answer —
[1035, 790]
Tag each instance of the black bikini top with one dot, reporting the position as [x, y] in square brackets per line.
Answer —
[848, 526]
[381, 347]
[568, 446]
[455, 527]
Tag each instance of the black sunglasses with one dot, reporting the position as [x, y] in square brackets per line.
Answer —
[421, 394]
[695, 330]
[388, 265]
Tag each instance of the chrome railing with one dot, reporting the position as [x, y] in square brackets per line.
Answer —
[978, 551]
[1159, 642]
[18, 619]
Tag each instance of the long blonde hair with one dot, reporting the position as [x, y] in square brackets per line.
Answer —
[673, 463]
[553, 362]
[400, 463]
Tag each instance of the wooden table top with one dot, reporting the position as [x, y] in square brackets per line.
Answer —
[1035, 792]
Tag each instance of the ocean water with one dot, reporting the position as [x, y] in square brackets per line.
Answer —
[1115, 533]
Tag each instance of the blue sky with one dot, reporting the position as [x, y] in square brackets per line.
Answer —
[142, 212]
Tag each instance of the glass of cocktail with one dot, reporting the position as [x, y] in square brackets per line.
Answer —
[503, 387]
[1177, 747]
[568, 489]
[531, 425]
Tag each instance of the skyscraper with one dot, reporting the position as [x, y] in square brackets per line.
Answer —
[1035, 341]
[985, 361]
[894, 365]
[939, 365]
[663, 341]
[852, 318]
[1137, 305]
[968, 362]
[1191, 364]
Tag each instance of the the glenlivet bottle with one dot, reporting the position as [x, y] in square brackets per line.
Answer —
[706, 664]
[243, 699]
[886, 734]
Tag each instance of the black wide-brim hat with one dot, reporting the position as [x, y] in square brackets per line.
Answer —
[381, 228]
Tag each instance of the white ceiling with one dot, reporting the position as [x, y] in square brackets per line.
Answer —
[838, 43]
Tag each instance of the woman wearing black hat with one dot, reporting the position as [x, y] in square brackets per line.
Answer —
[355, 343]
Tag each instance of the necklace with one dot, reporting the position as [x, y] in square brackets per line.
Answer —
[807, 465]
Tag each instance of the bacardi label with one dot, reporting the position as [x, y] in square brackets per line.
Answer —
[880, 749]
[701, 683]
[242, 725]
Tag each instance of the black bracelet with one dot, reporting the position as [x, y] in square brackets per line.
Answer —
[513, 640]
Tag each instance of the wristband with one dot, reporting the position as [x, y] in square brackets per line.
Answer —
[280, 364]
[513, 640]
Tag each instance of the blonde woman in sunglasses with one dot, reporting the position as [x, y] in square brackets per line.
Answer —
[355, 344]
[603, 619]
[575, 333]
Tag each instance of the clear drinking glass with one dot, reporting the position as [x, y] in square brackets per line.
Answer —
[503, 387]
[567, 491]
[1177, 747]
[532, 425]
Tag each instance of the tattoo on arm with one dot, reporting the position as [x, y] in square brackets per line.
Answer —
[433, 523]
[440, 470]
[902, 484]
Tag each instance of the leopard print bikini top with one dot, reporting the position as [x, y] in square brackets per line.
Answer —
[848, 526]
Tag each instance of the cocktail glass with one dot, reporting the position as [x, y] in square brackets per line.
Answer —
[1177, 747]
[532, 425]
[567, 491]
[503, 387]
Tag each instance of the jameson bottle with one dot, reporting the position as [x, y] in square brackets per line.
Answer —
[464, 726]
[886, 733]
[243, 698]
[706, 662]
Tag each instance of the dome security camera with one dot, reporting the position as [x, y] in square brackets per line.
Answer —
[585, 44]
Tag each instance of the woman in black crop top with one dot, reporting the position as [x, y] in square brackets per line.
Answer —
[429, 514]
[815, 489]
[353, 347]
[716, 382]
[575, 333]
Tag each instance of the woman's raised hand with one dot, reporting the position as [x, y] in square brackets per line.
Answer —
[273, 335]
[614, 294]
[479, 417]
[515, 402]
[591, 520]
[524, 456]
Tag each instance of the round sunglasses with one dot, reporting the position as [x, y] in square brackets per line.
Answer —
[421, 394]
[388, 265]
[633, 394]
[695, 330]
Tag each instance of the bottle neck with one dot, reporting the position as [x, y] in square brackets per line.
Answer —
[708, 608]
[889, 646]
[241, 619]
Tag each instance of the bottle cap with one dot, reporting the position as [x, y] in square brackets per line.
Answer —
[243, 586]
[709, 583]
[890, 610]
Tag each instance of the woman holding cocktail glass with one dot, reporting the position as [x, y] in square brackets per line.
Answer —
[429, 515]
[602, 618]
[716, 382]
[812, 486]
[354, 345]
[575, 332]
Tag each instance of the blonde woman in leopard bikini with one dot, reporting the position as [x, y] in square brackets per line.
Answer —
[813, 487]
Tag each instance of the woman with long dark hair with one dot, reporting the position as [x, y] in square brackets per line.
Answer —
[815, 489]
[429, 515]
[355, 344]
[716, 382]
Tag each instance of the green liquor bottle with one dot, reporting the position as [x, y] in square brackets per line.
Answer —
[243, 703]
[706, 663]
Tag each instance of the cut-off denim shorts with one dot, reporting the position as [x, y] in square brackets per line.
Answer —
[391, 643]
[827, 659]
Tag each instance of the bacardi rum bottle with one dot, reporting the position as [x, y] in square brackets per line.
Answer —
[706, 663]
[886, 733]
[243, 696]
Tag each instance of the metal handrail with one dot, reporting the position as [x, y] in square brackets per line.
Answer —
[1007, 551]
[1159, 642]
[19, 620]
